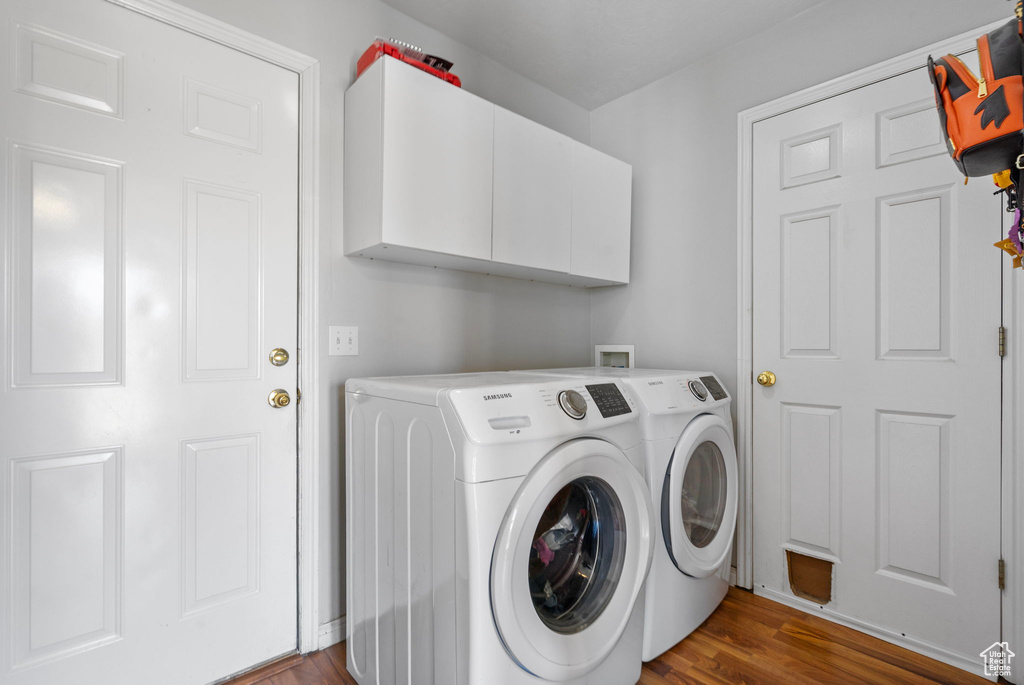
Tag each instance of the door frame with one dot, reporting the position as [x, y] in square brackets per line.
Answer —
[308, 359]
[1012, 540]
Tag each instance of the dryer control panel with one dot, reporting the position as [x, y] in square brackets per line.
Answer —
[678, 394]
[714, 387]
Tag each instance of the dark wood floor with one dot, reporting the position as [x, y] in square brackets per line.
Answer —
[749, 640]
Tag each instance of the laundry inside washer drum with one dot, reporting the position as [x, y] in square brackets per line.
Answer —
[577, 555]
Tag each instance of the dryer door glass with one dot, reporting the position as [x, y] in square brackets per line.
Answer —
[704, 494]
[698, 497]
[577, 555]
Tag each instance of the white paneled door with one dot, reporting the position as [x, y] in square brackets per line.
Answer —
[877, 307]
[149, 253]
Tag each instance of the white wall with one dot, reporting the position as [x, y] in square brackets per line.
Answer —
[679, 134]
[411, 319]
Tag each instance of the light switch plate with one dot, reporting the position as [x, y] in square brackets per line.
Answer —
[343, 340]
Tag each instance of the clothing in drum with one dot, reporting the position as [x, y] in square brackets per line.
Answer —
[577, 555]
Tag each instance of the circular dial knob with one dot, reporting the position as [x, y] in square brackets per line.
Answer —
[573, 404]
[698, 390]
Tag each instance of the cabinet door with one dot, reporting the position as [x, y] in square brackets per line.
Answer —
[532, 194]
[601, 201]
[438, 152]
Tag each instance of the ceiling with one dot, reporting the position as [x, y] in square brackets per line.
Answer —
[594, 51]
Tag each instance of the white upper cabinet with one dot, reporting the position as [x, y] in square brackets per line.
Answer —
[601, 206]
[420, 156]
[532, 194]
[437, 176]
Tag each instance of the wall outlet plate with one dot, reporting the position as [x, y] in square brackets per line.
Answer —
[343, 340]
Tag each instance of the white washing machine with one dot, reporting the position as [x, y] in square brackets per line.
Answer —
[691, 470]
[499, 531]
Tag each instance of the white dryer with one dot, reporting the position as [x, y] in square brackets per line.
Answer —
[499, 531]
[691, 471]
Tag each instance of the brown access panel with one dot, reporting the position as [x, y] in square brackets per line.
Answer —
[809, 578]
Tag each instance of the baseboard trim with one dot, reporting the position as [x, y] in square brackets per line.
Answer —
[331, 633]
[264, 671]
[957, 660]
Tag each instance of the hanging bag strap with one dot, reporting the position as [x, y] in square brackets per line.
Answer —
[1015, 171]
[1014, 191]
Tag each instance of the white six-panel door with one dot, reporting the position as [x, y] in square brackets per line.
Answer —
[149, 203]
[877, 305]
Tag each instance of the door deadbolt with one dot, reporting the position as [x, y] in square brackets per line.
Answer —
[279, 398]
[279, 357]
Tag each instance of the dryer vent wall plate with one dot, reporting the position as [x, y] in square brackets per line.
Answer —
[615, 356]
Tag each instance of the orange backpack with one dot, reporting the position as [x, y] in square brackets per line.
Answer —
[982, 117]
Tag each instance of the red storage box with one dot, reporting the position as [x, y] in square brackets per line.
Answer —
[379, 47]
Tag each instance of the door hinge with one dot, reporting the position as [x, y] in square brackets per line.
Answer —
[1002, 341]
[1002, 574]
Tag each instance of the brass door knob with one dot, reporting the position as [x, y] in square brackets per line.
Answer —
[279, 398]
[279, 357]
[766, 378]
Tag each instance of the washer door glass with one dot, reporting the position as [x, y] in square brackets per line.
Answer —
[577, 555]
[570, 559]
[702, 502]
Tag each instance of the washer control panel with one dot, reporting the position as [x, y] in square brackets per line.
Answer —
[535, 410]
[609, 399]
[573, 404]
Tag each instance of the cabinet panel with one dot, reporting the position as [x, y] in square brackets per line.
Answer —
[601, 204]
[532, 194]
[364, 103]
[434, 175]
[437, 162]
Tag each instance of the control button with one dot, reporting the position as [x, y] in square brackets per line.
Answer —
[573, 404]
[698, 390]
